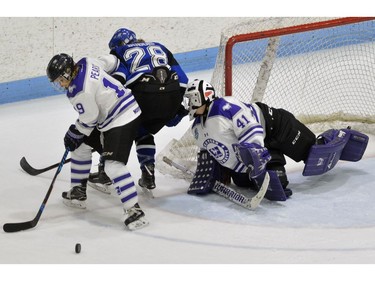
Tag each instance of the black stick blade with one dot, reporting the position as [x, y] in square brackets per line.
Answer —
[14, 227]
[33, 171]
[27, 168]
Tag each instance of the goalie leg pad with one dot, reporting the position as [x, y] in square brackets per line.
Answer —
[206, 174]
[355, 147]
[325, 155]
[275, 191]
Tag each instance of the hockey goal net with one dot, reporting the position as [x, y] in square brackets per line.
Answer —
[320, 69]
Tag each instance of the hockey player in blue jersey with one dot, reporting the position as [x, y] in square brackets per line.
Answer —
[158, 83]
[108, 112]
[248, 140]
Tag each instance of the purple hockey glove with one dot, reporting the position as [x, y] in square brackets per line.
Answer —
[73, 138]
[252, 155]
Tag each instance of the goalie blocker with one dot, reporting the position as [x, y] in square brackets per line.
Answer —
[334, 145]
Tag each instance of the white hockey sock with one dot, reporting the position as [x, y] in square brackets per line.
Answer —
[80, 165]
[123, 182]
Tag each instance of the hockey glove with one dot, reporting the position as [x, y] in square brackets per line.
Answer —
[73, 138]
[182, 112]
[252, 155]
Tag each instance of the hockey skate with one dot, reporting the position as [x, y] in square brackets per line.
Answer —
[100, 181]
[147, 180]
[135, 218]
[75, 197]
[148, 177]
[288, 192]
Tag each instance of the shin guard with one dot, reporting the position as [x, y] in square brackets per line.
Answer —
[325, 155]
[275, 191]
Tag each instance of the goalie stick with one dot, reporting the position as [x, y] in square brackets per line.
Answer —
[227, 192]
[18, 226]
[240, 199]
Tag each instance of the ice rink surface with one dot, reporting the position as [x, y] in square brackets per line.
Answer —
[330, 219]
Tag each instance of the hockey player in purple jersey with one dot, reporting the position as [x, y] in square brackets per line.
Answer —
[108, 112]
[246, 141]
[158, 83]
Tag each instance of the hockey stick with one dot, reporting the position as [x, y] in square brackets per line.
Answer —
[14, 227]
[228, 192]
[178, 166]
[34, 172]
[240, 199]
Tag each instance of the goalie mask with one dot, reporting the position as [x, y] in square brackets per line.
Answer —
[198, 93]
[122, 37]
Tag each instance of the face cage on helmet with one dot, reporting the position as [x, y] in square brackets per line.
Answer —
[57, 82]
[56, 85]
[193, 100]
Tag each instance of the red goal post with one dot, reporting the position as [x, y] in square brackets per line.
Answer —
[320, 69]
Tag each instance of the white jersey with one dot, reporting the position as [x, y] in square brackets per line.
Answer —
[229, 122]
[109, 63]
[101, 101]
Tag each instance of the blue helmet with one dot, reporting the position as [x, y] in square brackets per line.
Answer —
[121, 37]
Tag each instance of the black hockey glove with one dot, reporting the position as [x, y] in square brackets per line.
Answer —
[182, 112]
[73, 138]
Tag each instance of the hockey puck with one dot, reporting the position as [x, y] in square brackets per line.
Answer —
[78, 248]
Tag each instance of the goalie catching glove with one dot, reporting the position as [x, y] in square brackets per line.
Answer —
[253, 156]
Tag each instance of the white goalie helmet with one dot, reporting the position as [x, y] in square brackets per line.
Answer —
[198, 93]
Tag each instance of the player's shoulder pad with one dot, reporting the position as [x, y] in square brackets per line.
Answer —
[224, 107]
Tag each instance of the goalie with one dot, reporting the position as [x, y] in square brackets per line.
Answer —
[241, 142]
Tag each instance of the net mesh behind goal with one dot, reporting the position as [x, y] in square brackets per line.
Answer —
[320, 69]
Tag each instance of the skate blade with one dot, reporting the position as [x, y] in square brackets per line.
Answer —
[147, 192]
[75, 203]
[102, 187]
[138, 224]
